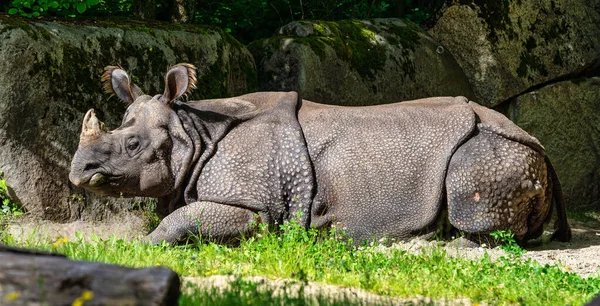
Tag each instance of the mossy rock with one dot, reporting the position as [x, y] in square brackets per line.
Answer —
[50, 76]
[507, 47]
[357, 62]
[565, 117]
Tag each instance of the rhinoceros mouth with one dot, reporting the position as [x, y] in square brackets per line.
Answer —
[97, 179]
[104, 184]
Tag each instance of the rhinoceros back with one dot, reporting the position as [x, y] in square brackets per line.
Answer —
[380, 170]
[497, 123]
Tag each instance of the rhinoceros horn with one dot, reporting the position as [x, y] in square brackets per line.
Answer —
[91, 127]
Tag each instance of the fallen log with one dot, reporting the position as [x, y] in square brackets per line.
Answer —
[10, 249]
[33, 277]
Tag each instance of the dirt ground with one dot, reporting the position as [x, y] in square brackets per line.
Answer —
[581, 255]
[125, 226]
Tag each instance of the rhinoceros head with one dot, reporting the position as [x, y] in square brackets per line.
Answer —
[139, 158]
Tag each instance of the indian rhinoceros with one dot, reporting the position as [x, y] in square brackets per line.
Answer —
[393, 171]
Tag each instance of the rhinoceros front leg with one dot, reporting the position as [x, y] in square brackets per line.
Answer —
[213, 221]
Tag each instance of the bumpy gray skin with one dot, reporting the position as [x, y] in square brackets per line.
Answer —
[395, 171]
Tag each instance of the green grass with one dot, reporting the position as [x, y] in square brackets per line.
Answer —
[507, 242]
[244, 292]
[326, 258]
[585, 215]
[8, 209]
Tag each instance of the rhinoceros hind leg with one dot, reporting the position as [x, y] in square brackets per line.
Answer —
[498, 184]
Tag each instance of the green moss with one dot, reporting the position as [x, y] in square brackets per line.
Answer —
[74, 75]
[228, 39]
[555, 30]
[557, 59]
[407, 37]
[211, 84]
[11, 22]
[356, 43]
[152, 62]
[530, 44]
[68, 74]
[531, 64]
[19, 23]
[150, 26]
[579, 80]
[45, 33]
[79, 79]
[146, 30]
[495, 13]
[319, 29]
[228, 75]
[319, 45]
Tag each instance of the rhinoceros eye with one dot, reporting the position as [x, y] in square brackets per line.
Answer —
[132, 145]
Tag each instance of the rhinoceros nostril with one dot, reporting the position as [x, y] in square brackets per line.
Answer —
[96, 179]
[91, 166]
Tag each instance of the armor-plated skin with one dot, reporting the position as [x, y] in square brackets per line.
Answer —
[394, 171]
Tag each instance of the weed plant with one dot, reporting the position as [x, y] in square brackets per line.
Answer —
[8, 208]
[326, 257]
[506, 241]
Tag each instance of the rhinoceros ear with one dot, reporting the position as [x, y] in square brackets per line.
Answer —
[180, 80]
[116, 81]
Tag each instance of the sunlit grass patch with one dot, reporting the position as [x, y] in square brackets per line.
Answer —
[312, 256]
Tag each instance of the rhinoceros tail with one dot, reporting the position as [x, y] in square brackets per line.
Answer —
[562, 229]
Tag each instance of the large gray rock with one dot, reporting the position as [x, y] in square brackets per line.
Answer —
[506, 47]
[50, 76]
[565, 117]
[354, 62]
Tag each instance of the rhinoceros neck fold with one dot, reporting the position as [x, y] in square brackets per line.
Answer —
[203, 141]
[187, 147]
[254, 156]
